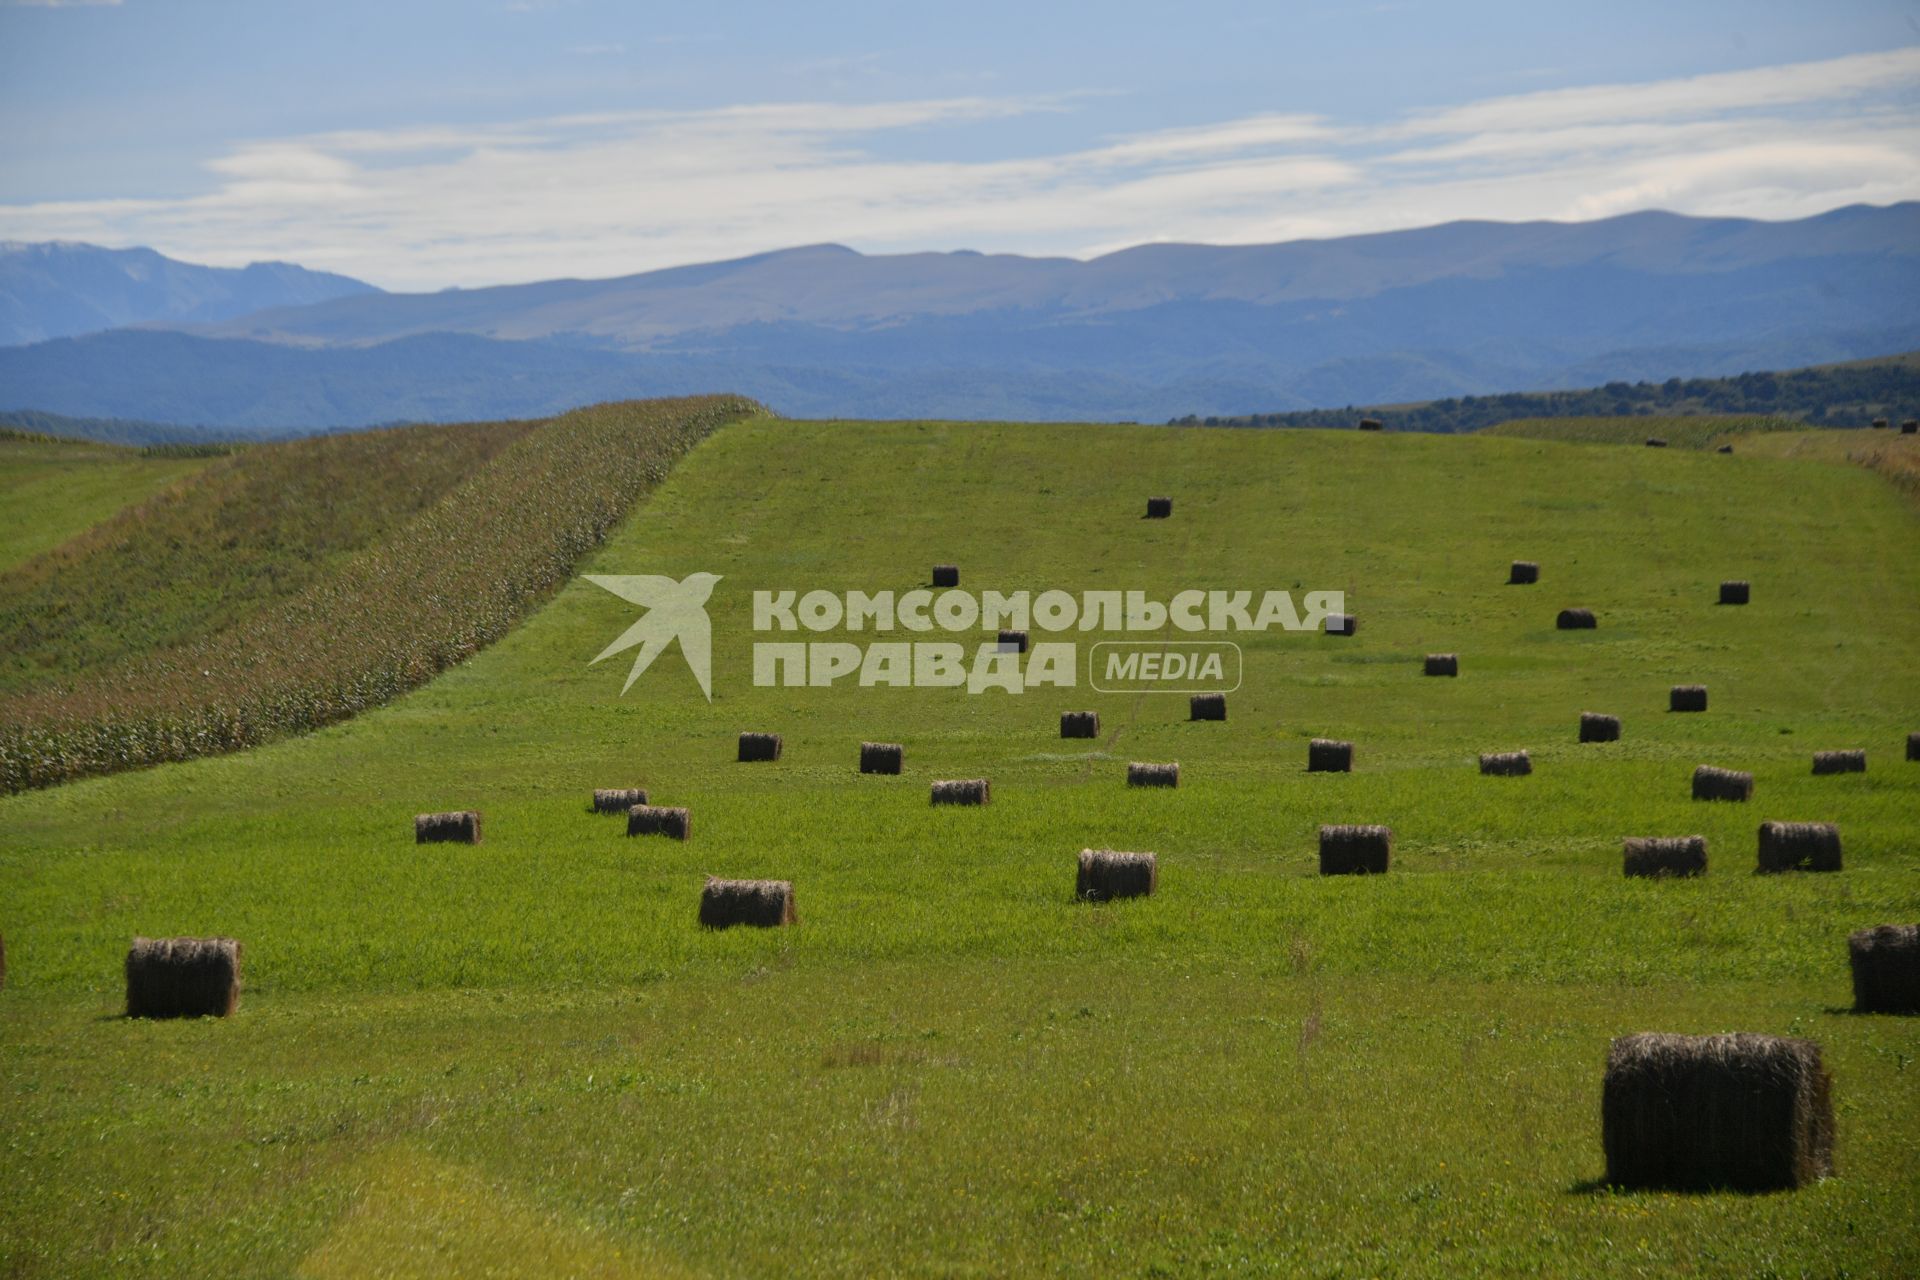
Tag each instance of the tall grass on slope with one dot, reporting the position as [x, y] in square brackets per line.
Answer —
[384, 620]
[1689, 432]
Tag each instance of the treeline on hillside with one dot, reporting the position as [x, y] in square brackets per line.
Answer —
[1848, 395]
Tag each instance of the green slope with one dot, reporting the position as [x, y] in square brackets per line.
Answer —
[951, 1067]
[52, 490]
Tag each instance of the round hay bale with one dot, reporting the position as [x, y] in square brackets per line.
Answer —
[1696, 1113]
[1079, 724]
[1106, 874]
[962, 791]
[1372, 424]
[1153, 775]
[1341, 624]
[3, 963]
[759, 747]
[1326, 755]
[183, 977]
[1013, 642]
[618, 799]
[1913, 746]
[763, 904]
[881, 757]
[1725, 448]
[462, 827]
[1576, 620]
[1506, 764]
[1522, 573]
[1879, 424]
[1442, 664]
[1595, 727]
[1687, 697]
[1710, 783]
[1799, 846]
[1910, 427]
[1839, 762]
[1207, 706]
[946, 575]
[658, 820]
[1159, 508]
[1664, 856]
[1886, 968]
[1655, 442]
[1347, 850]
[1734, 592]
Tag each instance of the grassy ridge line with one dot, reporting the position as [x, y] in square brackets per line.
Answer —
[1704, 432]
[389, 619]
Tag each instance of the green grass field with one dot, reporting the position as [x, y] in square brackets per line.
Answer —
[525, 1058]
[52, 490]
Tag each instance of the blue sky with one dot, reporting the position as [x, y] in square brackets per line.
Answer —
[421, 145]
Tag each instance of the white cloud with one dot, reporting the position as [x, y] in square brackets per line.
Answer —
[606, 193]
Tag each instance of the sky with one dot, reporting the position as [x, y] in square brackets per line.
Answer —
[423, 144]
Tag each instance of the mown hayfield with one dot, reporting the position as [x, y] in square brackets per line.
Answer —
[523, 1057]
[51, 490]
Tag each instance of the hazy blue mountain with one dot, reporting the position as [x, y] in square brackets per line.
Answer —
[1150, 333]
[59, 289]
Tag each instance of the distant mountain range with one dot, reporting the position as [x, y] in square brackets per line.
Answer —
[1158, 331]
[59, 290]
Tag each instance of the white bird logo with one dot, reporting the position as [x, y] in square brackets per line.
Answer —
[675, 611]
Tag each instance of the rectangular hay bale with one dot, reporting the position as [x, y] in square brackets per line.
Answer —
[1799, 846]
[763, 904]
[1013, 641]
[462, 827]
[1342, 624]
[1595, 727]
[183, 977]
[1347, 850]
[1664, 856]
[1735, 592]
[1711, 783]
[962, 791]
[618, 799]
[1079, 724]
[881, 757]
[1687, 697]
[1153, 775]
[1106, 874]
[1522, 573]
[946, 575]
[1839, 762]
[760, 747]
[1326, 755]
[1442, 664]
[1506, 764]
[1886, 968]
[1159, 508]
[1913, 746]
[1207, 706]
[658, 820]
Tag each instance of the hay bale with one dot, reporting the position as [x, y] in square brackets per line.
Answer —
[1207, 706]
[1665, 856]
[1341, 624]
[1725, 448]
[1687, 697]
[1442, 664]
[944, 575]
[1015, 641]
[3, 963]
[1106, 874]
[1506, 764]
[963, 791]
[764, 904]
[1325, 755]
[1655, 442]
[756, 747]
[438, 828]
[1159, 508]
[1839, 762]
[1372, 424]
[1354, 850]
[183, 977]
[1710, 783]
[1799, 846]
[1879, 424]
[1153, 775]
[1910, 427]
[1913, 746]
[658, 820]
[1522, 572]
[1734, 592]
[881, 757]
[1079, 724]
[1595, 727]
[1576, 620]
[1693, 1113]
[1886, 968]
[618, 799]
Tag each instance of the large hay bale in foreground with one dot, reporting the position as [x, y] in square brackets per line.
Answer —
[183, 977]
[1576, 620]
[1696, 1113]
[1506, 764]
[1886, 968]
[1355, 850]
[1442, 664]
[1342, 624]
[462, 827]
[1710, 783]
[1159, 508]
[1664, 856]
[1522, 572]
[1735, 592]
[1079, 724]
[1372, 424]
[1655, 442]
[658, 820]
[1687, 697]
[765, 904]
[1839, 762]
[1013, 641]
[1799, 846]
[758, 747]
[962, 791]
[945, 575]
[1207, 706]
[1106, 874]
[618, 799]
[881, 757]
[1595, 727]
[1153, 775]
[1326, 755]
